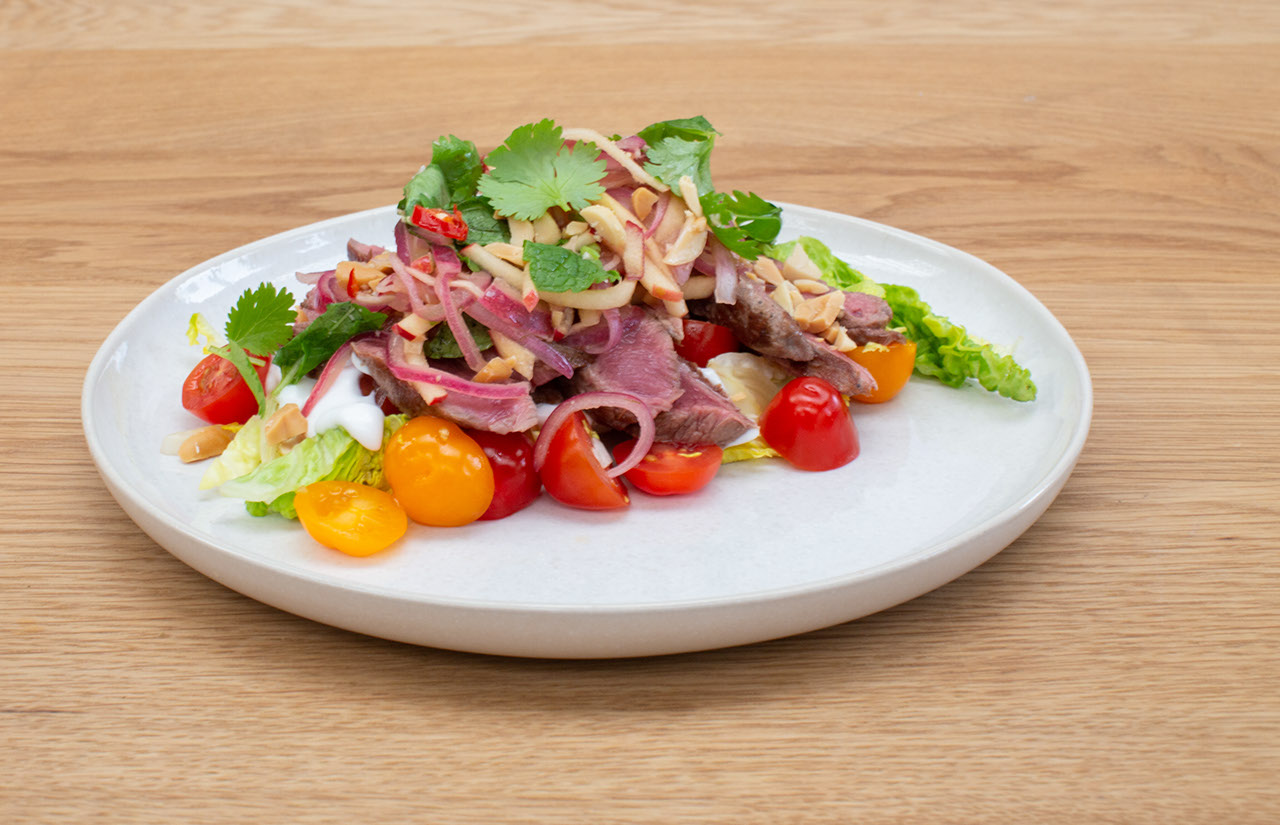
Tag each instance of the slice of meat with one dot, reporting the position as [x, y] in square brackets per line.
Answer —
[758, 321]
[845, 374]
[702, 414]
[866, 318]
[643, 363]
[495, 415]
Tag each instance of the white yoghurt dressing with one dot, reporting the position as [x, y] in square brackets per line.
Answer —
[342, 406]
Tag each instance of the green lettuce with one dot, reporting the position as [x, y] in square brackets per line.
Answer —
[944, 350]
[241, 456]
[330, 455]
[834, 271]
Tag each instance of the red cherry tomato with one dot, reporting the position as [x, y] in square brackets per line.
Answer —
[808, 423]
[515, 482]
[704, 340]
[215, 392]
[672, 469]
[573, 475]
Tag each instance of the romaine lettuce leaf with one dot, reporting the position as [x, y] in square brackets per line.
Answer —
[241, 456]
[330, 455]
[945, 351]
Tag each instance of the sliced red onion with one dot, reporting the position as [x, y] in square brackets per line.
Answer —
[541, 350]
[402, 369]
[726, 273]
[402, 243]
[591, 401]
[499, 301]
[362, 252]
[447, 262]
[656, 214]
[311, 278]
[327, 376]
[326, 290]
[600, 337]
[452, 317]
[681, 272]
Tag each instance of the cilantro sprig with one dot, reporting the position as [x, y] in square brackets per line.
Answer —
[678, 148]
[259, 323]
[534, 170]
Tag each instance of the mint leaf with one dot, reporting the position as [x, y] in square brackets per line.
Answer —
[459, 162]
[428, 189]
[482, 227]
[744, 222]
[317, 343]
[261, 320]
[556, 269]
[534, 171]
[443, 344]
[450, 178]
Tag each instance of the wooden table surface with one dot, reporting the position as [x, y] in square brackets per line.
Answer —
[1118, 663]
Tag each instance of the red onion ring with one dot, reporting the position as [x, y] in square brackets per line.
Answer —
[327, 376]
[591, 401]
[405, 371]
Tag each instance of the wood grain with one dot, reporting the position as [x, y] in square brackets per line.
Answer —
[1115, 664]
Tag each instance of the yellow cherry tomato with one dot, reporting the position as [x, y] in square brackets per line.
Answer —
[439, 474]
[355, 518]
[891, 366]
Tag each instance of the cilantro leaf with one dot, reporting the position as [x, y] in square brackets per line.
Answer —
[744, 222]
[688, 128]
[534, 171]
[261, 320]
[339, 323]
[680, 147]
[672, 158]
[556, 269]
[482, 227]
[443, 344]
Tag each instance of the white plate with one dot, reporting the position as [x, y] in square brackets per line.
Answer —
[946, 479]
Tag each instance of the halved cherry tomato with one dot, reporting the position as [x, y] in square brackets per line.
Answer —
[215, 391]
[515, 482]
[671, 469]
[356, 519]
[891, 366]
[704, 340]
[439, 221]
[574, 476]
[438, 473]
[808, 423]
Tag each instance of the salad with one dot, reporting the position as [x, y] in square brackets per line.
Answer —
[569, 314]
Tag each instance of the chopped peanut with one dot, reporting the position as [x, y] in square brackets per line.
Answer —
[498, 369]
[205, 442]
[521, 359]
[810, 286]
[642, 201]
[287, 424]
[818, 313]
[798, 265]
